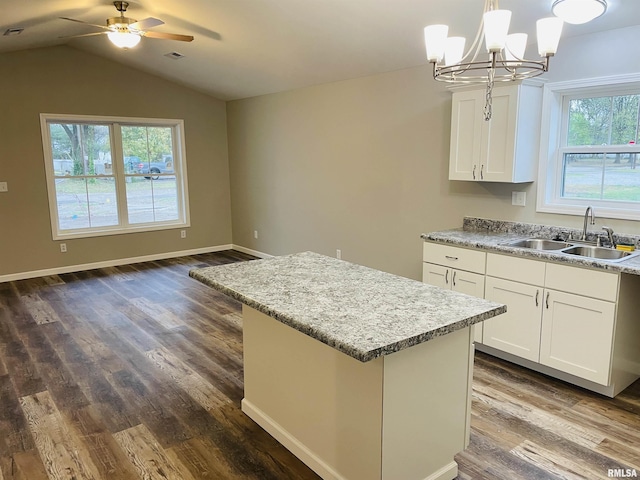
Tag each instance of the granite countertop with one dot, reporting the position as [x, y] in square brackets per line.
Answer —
[492, 235]
[362, 312]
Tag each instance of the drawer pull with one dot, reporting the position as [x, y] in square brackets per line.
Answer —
[448, 257]
[474, 172]
[537, 294]
[446, 277]
[454, 279]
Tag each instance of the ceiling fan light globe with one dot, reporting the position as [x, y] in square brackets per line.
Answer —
[124, 39]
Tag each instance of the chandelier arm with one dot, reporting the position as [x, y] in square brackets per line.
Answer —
[477, 41]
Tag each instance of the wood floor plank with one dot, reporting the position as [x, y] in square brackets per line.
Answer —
[27, 466]
[144, 355]
[209, 397]
[62, 454]
[40, 311]
[148, 457]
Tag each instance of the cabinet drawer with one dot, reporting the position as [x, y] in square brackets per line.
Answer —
[455, 257]
[515, 268]
[581, 281]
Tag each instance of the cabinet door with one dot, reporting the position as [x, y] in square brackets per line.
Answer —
[577, 335]
[517, 331]
[466, 131]
[470, 284]
[436, 275]
[497, 155]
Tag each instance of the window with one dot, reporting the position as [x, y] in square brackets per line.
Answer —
[110, 175]
[590, 151]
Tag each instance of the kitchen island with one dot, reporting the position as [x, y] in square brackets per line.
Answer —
[359, 373]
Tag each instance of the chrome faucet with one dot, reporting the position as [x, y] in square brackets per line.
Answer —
[593, 222]
[609, 231]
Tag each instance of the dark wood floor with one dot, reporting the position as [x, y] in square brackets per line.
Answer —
[136, 372]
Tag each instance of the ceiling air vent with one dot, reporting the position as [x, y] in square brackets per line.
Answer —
[9, 32]
[174, 55]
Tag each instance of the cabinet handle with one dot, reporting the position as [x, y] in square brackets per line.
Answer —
[474, 172]
[481, 175]
[547, 301]
[537, 294]
[454, 278]
[446, 277]
[449, 257]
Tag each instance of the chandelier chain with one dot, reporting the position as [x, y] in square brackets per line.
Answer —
[488, 109]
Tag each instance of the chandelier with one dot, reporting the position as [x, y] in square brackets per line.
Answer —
[505, 61]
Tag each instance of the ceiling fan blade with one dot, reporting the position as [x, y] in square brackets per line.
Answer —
[169, 36]
[85, 23]
[85, 35]
[146, 23]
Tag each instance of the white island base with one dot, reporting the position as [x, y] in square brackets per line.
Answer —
[401, 416]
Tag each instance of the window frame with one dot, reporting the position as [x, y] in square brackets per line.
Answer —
[118, 172]
[554, 129]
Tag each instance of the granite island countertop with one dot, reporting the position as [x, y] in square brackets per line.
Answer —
[362, 312]
[493, 235]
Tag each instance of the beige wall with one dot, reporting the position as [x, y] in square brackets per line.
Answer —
[362, 165]
[64, 80]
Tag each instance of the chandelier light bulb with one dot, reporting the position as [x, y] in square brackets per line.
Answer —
[548, 32]
[496, 27]
[515, 46]
[578, 11]
[435, 37]
[454, 50]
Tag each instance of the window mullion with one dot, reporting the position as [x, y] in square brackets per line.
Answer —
[117, 164]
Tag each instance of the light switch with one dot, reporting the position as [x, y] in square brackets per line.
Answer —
[4, 187]
[519, 198]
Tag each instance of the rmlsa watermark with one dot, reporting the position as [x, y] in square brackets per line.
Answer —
[622, 473]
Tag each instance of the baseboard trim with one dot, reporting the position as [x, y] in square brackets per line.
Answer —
[114, 263]
[291, 443]
[249, 251]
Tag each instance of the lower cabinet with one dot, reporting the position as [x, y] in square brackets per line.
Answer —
[577, 324]
[518, 331]
[577, 335]
[458, 269]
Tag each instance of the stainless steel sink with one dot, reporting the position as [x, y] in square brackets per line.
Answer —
[599, 252]
[540, 244]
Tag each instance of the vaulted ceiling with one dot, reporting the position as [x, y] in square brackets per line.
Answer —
[244, 48]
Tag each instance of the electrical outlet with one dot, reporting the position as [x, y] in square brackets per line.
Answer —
[255, 234]
[183, 234]
[338, 254]
[4, 187]
[63, 247]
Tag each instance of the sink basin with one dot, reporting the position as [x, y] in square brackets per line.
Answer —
[540, 244]
[598, 252]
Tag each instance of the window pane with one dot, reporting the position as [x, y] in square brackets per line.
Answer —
[86, 202]
[103, 206]
[80, 149]
[612, 176]
[151, 200]
[582, 176]
[73, 206]
[604, 120]
[147, 150]
[622, 178]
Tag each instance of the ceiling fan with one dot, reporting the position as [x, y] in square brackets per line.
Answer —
[125, 32]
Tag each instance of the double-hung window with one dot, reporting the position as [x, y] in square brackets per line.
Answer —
[590, 151]
[108, 175]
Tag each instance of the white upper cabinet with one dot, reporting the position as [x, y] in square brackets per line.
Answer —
[503, 149]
